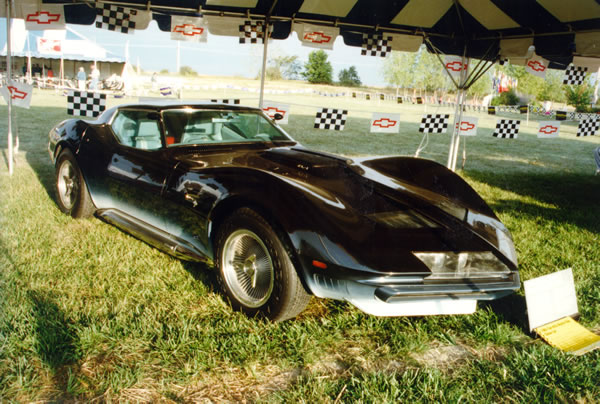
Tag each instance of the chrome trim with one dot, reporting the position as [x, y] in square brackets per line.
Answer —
[479, 291]
[155, 237]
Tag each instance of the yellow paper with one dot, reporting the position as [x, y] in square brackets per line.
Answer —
[568, 335]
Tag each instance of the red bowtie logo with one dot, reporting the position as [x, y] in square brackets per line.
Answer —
[317, 37]
[385, 123]
[188, 29]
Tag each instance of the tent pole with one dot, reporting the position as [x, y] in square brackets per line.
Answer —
[263, 72]
[8, 7]
[455, 142]
[458, 118]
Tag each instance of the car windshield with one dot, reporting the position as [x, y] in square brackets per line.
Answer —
[192, 126]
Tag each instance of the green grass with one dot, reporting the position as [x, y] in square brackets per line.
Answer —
[88, 312]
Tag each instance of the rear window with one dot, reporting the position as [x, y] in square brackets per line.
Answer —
[138, 129]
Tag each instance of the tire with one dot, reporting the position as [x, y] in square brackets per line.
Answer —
[72, 195]
[255, 270]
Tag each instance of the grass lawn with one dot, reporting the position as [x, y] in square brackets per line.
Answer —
[90, 313]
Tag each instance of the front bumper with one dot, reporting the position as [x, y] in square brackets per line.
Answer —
[412, 295]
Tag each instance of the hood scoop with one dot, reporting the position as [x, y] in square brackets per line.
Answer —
[302, 160]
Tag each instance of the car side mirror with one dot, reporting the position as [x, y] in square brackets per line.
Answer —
[277, 117]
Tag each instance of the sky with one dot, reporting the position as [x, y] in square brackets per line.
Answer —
[220, 55]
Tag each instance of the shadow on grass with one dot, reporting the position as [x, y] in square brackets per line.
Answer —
[56, 339]
[202, 273]
[574, 197]
[512, 309]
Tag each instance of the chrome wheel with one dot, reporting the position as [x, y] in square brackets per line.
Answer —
[67, 184]
[247, 268]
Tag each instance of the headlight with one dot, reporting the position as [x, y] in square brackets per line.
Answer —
[506, 245]
[448, 265]
[402, 219]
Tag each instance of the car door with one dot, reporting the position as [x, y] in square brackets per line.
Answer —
[132, 174]
[191, 190]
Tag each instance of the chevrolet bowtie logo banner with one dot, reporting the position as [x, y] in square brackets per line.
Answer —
[467, 126]
[548, 129]
[537, 66]
[192, 29]
[315, 36]
[44, 17]
[385, 123]
[454, 65]
[18, 93]
[272, 108]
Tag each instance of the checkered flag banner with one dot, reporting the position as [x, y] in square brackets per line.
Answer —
[121, 19]
[331, 118]
[376, 45]
[588, 127]
[574, 75]
[84, 103]
[437, 123]
[235, 101]
[252, 32]
[507, 128]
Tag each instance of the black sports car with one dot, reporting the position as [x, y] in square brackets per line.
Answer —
[227, 186]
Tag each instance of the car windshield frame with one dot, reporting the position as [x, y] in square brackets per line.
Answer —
[190, 126]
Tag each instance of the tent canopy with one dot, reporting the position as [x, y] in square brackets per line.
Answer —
[482, 29]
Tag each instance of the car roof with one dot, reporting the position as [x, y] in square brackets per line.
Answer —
[177, 104]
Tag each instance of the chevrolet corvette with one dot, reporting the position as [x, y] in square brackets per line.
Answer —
[227, 186]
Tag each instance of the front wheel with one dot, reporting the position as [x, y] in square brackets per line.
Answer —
[255, 270]
[72, 194]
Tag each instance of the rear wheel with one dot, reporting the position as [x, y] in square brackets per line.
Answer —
[72, 195]
[255, 270]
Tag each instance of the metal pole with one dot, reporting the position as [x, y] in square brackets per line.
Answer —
[457, 117]
[461, 98]
[9, 77]
[263, 72]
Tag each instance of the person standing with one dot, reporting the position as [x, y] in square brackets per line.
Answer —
[81, 79]
[95, 75]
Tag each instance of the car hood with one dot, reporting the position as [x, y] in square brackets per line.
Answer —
[372, 186]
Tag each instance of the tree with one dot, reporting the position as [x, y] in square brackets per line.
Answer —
[428, 72]
[283, 68]
[318, 69]
[187, 71]
[397, 69]
[421, 70]
[579, 96]
[482, 87]
[552, 87]
[349, 77]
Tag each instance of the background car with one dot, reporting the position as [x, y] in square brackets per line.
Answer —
[225, 185]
